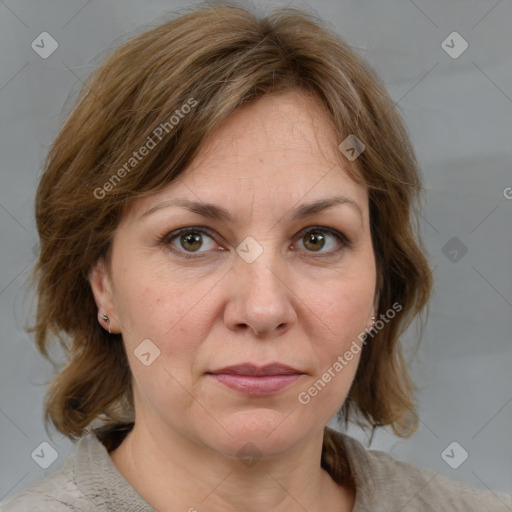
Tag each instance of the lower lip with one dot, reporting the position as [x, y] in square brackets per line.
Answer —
[257, 386]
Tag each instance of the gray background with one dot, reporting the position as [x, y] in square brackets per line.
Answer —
[459, 113]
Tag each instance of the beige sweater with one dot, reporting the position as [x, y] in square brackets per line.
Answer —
[88, 481]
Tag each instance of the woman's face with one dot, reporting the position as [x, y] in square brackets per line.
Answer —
[276, 282]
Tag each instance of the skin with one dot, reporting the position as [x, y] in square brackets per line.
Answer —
[293, 304]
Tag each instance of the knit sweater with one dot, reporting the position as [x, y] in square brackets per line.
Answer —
[89, 481]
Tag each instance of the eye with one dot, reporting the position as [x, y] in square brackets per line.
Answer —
[316, 238]
[189, 240]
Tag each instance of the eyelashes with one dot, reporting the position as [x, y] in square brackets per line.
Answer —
[194, 235]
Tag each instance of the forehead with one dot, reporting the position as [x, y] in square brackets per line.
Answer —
[280, 150]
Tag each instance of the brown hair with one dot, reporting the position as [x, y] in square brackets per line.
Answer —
[221, 57]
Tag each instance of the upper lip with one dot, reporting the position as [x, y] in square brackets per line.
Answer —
[254, 370]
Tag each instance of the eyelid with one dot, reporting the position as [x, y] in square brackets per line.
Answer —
[334, 232]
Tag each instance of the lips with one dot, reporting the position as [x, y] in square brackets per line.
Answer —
[257, 371]
[257, 381]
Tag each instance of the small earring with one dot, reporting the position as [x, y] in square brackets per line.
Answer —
[105, 319]
[373, 321]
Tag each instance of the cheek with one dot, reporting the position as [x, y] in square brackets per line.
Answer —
[344, 307]
[176, 317]
[343, 310]
[342, 314]
[144, 297]
[176, 323]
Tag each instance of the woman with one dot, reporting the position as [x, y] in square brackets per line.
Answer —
[229, 255]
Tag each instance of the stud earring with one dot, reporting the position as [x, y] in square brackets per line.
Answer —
[106, 320]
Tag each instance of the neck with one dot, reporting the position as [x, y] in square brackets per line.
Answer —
[179, 474]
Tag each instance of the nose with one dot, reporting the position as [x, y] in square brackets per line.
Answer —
[262, 299]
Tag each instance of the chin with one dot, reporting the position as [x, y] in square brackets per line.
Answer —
[266, 432]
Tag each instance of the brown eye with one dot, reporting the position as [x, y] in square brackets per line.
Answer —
[314, 241]
[191, 241]
[318, 238]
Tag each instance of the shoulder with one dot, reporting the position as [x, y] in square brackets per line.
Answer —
[88, 481]
[423, 489]
[386, 483]
[57, 491]
[60, 490]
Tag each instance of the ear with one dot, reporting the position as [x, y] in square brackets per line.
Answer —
[376, 300]
[101, 285]
[376, 304]
[375, 310]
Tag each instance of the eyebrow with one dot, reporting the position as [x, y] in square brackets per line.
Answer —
[213, 211]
